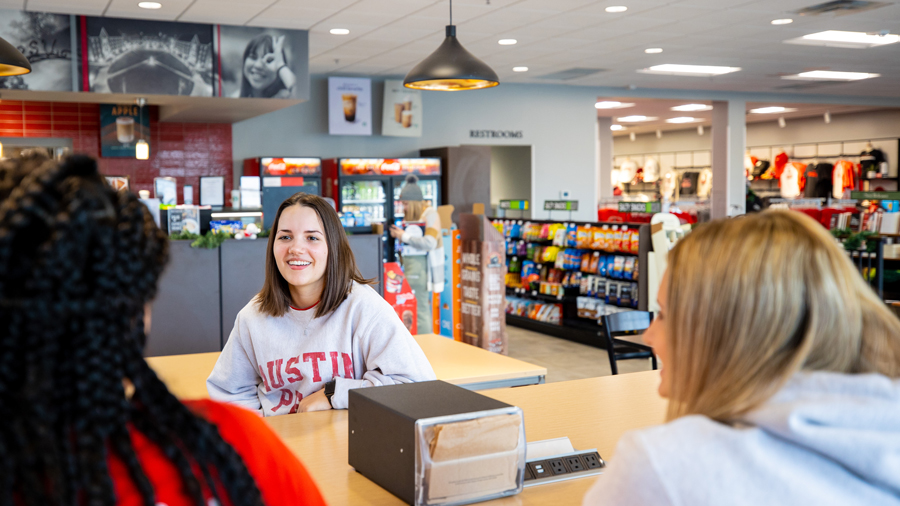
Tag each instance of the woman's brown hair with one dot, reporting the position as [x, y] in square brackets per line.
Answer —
[275, 297]
[753, 300]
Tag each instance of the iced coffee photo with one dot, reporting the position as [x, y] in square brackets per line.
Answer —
[398, 112]
[125, 129]
[349, 107]
[406, 117]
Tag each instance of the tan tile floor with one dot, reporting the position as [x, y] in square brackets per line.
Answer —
[565, 360]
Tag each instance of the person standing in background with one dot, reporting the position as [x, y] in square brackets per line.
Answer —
[423, 254]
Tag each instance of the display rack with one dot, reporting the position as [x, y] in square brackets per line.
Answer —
[569, 324]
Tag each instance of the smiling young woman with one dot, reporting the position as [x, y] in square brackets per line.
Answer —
[316, 329]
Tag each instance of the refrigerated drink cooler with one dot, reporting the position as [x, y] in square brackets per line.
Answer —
[366, 191]
[282, 178]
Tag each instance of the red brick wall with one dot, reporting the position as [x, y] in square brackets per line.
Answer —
[184, 151]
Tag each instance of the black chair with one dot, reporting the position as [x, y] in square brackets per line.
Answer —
[626, 323]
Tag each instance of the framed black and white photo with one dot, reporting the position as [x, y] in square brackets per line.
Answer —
[45, 39]
[149, 57]
[263, 62]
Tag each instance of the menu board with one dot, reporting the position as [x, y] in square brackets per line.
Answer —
[390, 166]
[290, 166]
[121, 126]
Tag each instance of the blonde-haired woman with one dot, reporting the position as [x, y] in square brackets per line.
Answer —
[781, 368]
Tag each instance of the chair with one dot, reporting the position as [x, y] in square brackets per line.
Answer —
[620, 324]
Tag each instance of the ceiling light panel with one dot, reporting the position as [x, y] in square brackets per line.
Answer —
[831, 75]
[784, 21]
[653, 50]
[771, 110]
[520, 69]
[507, 42]
[339, 31]
[616, 128]
[149, 5]
[682, 119]
[837, 38]
[692, 107]
[636, 118]
[615, 9]
[673, 69]
[612, 104]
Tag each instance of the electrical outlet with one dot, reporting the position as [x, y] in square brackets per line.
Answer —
[593, 460]
[557, 466]
[575, 464]
[539, 469]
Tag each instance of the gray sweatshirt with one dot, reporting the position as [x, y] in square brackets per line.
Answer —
[824, 439]
[269, 364]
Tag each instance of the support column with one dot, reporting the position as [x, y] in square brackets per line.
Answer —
[604, 158]
[729, 140]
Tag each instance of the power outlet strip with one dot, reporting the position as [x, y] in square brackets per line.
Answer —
[563, 467]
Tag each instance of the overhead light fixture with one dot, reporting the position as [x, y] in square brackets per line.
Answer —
[616, 8]
[785, 21]
[659, 134]
[636, 118]
[616, 128]
[507, 42]
[612, 104]
[771, 110]
[141, 148]
[830, 75]
[12, 62]
[520, 69]
[149, 5]
[451, 68]
[837, 38]
[699, 129]
[827, 116]
[653, 50]
[673, 69]
[339, 31]
[781, 122]
[692, 108]
[682, 119]
[632, 136]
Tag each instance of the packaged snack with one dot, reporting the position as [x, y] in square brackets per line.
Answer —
[600, 292]
[618, 267]
[628, 269]
[225, 226]
[635, 242]
[625, 291]
[612, 292]
[634, 274]
[598, 237]
[594, 266]
[586, 262]
[634, 295]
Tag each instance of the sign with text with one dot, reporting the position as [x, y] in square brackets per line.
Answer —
[483, 276]
[516, 205]
[495, 134]
[875, 195]
[121, 126]
[349, 106]
[560, 205]
[402, 113]
[640, 207]
[390, 166]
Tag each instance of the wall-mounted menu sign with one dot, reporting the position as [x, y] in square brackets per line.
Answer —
[121, 126]
[560, 205]
[349, 106]
[518, 205]
[390, 166]
[640, 207]
[290, 166]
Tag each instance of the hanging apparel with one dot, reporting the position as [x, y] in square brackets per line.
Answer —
[842, 178]
[667, 184]
[809, 180]
[870, 161]
[781, 159]
[689, 182]
[790, 182]
[824, 185]
[628, 171]
[651, 170]
[760, 168]
[704, 185]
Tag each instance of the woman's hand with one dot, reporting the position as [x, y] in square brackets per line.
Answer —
[278, 52]
[396, 232]
[315, 402]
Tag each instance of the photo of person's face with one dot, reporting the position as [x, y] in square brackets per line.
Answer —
[260, 68]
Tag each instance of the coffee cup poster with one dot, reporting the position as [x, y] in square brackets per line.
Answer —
[402, 115]
[349, 106]
[121, 126]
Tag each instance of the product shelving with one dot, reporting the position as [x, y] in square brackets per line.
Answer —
[563, 278]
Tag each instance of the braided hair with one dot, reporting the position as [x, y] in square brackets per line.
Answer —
[78, 262]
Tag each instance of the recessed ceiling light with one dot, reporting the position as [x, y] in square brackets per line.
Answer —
[831, 75]
[506, 42]
[682, 119]
[149, 5]
[339, 31]
[611, 104]
[837, 38]
[688, 70]
[637, 118]
[785, 21]
[653, 50]
[692, 107]
[520, 69]
[771, 110]
[616, 128]
[616, 8]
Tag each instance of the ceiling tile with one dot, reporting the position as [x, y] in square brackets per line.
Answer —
[169, 11]
[81, 7]
[223, 12]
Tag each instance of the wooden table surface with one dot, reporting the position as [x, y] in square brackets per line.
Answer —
[592, 413]
[452, 361]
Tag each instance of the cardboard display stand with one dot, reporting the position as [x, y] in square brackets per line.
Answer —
[399, 295]
[483, 275]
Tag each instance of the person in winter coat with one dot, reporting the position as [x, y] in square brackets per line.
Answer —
[782, 370]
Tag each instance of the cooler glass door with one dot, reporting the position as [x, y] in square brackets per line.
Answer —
[365, 200]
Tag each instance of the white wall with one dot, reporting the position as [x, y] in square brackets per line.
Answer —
[510, 175]
[557, 121]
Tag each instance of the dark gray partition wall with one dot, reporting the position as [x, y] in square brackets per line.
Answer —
[186, 308]
[243, 274]
[202, 291]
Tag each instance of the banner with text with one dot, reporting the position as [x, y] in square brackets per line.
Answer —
[483, 276]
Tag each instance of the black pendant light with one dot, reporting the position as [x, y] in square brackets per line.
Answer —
[451, 68]
[12, 62]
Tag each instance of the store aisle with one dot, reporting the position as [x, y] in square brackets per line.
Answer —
[565, 360]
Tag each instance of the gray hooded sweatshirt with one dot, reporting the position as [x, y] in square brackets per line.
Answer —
[824, 439]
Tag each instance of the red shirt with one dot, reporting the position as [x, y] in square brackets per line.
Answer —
[281, 478]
